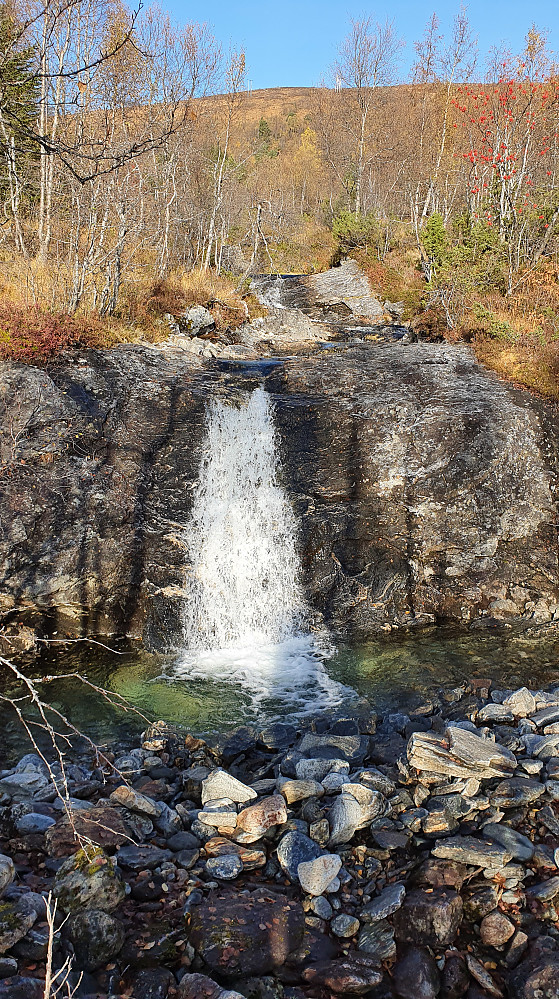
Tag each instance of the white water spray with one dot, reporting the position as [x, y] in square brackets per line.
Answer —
[244, 612]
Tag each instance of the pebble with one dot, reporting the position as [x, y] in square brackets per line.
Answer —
[389, 900]
[344, 925]
[316, 875]
[224, 868]
[295, 848]
[298, 790]
[496, 929]
[220, 784]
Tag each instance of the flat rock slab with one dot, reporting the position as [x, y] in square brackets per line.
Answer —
[459, 753]
[246, 934]
[469, 850]
[389, 900]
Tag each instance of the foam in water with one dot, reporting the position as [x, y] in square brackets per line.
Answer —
[245, 617]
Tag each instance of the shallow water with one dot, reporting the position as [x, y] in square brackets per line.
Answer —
[212, 693]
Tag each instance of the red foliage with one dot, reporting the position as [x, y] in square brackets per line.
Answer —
[28, 334]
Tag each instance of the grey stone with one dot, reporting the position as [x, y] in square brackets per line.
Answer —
[482, 976]
[134, 801]
[7, 872]
[153, 983]
[521, 703]
[350, 747]
[33, 822]
[22, 786]
[318, 769]
[321, 907]
[416, 975]
[516, 791]
[470, 850]
[459, 753]
[377, 940]
[298, 790]
[88, 879]
[353, 809]
[8, 967]
[15, 922]
[345, 925]
[389, 900]
[295, 848]
[316, 875]
[519, 846]
[545, 891]
[220, 784]
[20, 987]
[138, 858]
[225, 868]
[96, 938]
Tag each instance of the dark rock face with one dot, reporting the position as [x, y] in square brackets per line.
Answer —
[422, 485]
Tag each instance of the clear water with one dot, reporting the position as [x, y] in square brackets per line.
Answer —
[392, 672]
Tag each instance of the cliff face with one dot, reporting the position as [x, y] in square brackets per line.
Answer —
[424, 487]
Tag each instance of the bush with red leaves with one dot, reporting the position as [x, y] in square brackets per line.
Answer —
[28, 334]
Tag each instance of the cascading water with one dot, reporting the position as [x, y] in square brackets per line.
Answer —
[244, 611]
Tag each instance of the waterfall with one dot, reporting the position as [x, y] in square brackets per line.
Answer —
[245, 618]
[241, 539]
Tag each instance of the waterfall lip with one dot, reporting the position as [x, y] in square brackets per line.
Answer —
[262, 366]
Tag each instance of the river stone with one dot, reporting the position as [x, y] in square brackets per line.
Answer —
[96, 937]
[536, 979]
[494, 713]
[377, 940]
[255, 820]
[102, 825]
[21, 787]
[321, 907]
[219, 846]
[522, 703]
[545, 891]
[516, 792]
[416, 975]
[88, 880]
[15, 922]
[547, 747]
[34, 823]
[374, 778]
[483, 977]
[469, 850]
[441, 873]
[430, 918]
[353, 809]
[546, 716]
[345, 925]
[246, 934]
[139, 858]
[134, 801]
[317, 770]
[220, 784]
[298, 790]
[201, 987]
[343, 977]
[519, 846]
[316, 875]
[21, 987]
[390, 899]
[226, 867]
[496, 929]
[459, 753]
[7, 872]
[350, 747]
[295, 848]
[8, 967]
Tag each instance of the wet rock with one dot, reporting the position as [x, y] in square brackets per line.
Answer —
[416, 975]
[429, 918]
[134, 801]
[96, 938]
[350, 747]
[152, 983]
[7, 872]
[516, 792]
[519, 846]
[353, 809]
[389, 900]
[88, 880]
[139, 858]
[316, 875]
[342, 977]
[377, 940]
[220, 784]
[246, 934]
[225, 868]
[344, 925]
[295, 848]
[14, 924]
[496, 929]
[103, 826]
[469, 850]
[460, 754]
[255, 820]
[278, 735]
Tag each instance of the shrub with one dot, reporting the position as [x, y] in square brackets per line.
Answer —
[28, 334]
[355, 230]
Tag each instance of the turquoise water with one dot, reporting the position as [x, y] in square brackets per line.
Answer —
[398, 671]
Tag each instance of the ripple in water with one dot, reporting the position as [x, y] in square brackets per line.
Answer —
[245, 618]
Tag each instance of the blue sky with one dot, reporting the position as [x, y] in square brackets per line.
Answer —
[293, 43]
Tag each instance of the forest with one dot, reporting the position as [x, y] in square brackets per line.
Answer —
[141, 175]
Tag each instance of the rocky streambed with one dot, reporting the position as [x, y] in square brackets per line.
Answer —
[410, 856]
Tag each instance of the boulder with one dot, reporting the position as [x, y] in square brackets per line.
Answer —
[15, 921]
[246, 934]
[255, 820]
[416, 975]
[353, 809]
[86, 880]
[96, 938]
